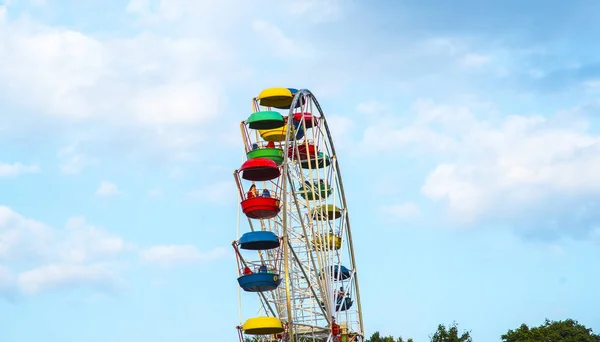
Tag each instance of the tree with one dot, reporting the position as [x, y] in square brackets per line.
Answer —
[376, 337]
[552, 331]
[450, 334]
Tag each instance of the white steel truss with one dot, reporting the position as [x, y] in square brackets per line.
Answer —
[313, 242]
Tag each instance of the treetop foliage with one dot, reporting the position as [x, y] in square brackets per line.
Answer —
[450, 334]
[568, 330]
[552, 331]
[377, 338]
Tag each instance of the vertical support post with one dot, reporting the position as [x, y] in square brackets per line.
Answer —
[286, 257]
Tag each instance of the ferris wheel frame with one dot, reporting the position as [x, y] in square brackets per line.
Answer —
[314, 294]
[300, 96]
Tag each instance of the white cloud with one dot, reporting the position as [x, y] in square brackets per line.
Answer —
[56, 66]
[386, 185]
[8, 284]
[7, 280]
[453, 119]
[315, 10]
[15, 169]
[176, 104]
[426, 127]
[219, 192]
[158, 88]
[202, 14]
[399, 211]
[166, 256]
[137, 6]
[40, 258]
[23, 239]
[26, 240]
[74, 76]
[107, 189]
[523, 170]
[341, 128]
[58, 276]
[155, 193]
[384, 137]
[5, 276]
[84, 242]
[72, 161]
[372, 108]
[153, 91]
[271, 35]
[592, 86]
[523, 161]
[2, 14]
[474, 60]
[441, 45]
[457, 49]
[514, 169]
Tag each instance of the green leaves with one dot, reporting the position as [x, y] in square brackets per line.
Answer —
[552, 331]
[450, 334]
[376, 337]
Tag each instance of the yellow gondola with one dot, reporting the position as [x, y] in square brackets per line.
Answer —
[277, 97]
[276, 134]
[264, 325]
[328, 242]
[327, 211]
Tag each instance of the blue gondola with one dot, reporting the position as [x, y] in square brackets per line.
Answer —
[299, 133]
[259, 240]
[259, 282]
[299, 130]
[345, 274]
[342, 304]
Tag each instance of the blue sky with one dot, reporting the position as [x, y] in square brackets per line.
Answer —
[468, 137]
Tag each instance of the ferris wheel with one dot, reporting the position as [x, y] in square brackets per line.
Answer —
[295, 252]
